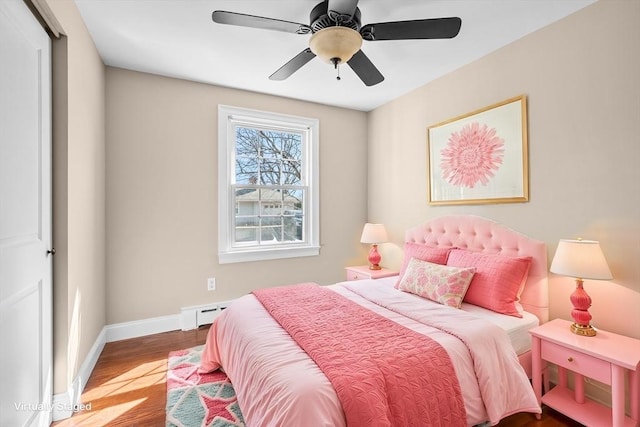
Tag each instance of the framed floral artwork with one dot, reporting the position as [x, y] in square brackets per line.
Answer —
[480, 157]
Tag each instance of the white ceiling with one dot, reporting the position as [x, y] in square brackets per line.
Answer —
[177, 38]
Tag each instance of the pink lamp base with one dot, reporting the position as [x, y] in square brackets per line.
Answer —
[374, 258]
[581, 317]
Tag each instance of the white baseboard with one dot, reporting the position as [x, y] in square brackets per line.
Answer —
[140, 328]
[65, 404]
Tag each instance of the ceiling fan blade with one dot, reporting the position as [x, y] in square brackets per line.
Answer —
[365, 69]
[293, 65]
[437, 28]
[344, 8]
[243, 20]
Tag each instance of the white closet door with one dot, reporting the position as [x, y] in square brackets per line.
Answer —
[25, 219]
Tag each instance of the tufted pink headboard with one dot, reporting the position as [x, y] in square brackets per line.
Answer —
[483, 235]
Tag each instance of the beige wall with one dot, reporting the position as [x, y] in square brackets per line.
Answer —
[162, 196]
[581, 78]
[79, 195]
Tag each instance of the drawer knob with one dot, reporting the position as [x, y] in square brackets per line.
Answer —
[570, 359]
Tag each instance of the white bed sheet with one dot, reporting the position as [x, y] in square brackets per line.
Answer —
[517, 329]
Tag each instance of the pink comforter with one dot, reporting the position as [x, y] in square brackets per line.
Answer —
[383, 373]
[278, 384]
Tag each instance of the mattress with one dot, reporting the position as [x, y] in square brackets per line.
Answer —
[517, 329]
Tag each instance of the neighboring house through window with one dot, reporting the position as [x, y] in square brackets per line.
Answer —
[267, 185]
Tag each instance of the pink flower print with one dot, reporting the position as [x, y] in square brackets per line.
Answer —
[472, 155]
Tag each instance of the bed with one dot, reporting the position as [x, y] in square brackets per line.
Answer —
[476, 358]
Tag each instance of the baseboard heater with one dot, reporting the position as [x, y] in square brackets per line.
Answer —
[198, 315]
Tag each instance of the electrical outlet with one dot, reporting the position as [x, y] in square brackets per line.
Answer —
[211, 283]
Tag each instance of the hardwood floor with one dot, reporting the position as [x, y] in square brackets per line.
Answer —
[127, 386]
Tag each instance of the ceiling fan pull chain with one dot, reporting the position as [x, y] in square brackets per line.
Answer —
[335, 62]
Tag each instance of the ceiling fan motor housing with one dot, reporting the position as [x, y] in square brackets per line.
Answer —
[321, 18]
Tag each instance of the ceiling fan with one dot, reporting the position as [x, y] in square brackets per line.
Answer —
[337, 35]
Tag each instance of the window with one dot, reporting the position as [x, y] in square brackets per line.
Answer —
[268, 185]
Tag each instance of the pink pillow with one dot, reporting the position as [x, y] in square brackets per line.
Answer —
[439, 283]
[497, 280]
[424, 253]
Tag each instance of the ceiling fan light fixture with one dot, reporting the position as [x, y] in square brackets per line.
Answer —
[335, 44]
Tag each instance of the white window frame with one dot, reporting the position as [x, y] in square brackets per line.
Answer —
[228, 118]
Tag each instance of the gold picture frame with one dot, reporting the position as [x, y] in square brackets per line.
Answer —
[480, 157]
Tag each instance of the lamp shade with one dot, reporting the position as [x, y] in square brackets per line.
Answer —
[374, 233]
[335, 44]
[581, 259]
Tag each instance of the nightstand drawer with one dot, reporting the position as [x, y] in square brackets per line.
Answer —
[581, 363]
[354, 275]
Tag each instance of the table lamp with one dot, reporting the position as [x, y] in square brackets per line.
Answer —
[581, 259]
[374, 234]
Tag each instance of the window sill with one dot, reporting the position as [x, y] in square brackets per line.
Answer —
[266, 254]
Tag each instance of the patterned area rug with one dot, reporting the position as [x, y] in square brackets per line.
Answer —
[198, 400]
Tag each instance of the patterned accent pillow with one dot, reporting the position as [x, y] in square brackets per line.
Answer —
[497, 280]
[439, 283]
[436, 255]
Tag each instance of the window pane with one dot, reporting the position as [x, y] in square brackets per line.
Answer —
[291, 172]
[296, 198]
[247, 149]
[271, 144]
[271, 234]
[246, 228]
[292, 159]
[271, 229]
[290, 202]
[271, 201]
[247, 201]
[292, 228]
[246, 170]
[294, 216]
[270, 172]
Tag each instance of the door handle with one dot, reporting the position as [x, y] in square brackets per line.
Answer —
[51, 251]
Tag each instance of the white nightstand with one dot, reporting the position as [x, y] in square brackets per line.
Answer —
[360, 272]
[607, 357]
